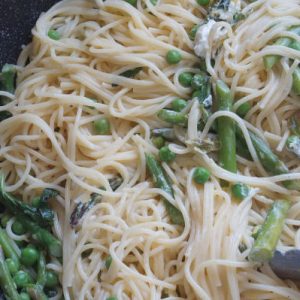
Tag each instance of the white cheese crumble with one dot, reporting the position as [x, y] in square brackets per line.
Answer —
[202, 35]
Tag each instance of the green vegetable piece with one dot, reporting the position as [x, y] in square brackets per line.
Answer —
[178, 104]
[295, 45]
[185, 79]
[29, 256]
[43, 216]
[36, 202]
[8, 78]
[203, 2]
[272, 59]
[201, 175]
[4, 219]
[5, 114]
[240, 191]
[270, 161]
[7, 247]
[173, 57]
[243, 109]
[166, 155]
[161, 181]
[54, 34]
[226, 129]
[132, 2]
[42, 274]
[112, 298]
[129, 73]
[154, 2]
[203, 92]
[192, 33]
[158, 141]
[81, 208]
[21, 279]
[173, 117]
[269, 234]
[24, 296]
[293, 144]
[42, 236]
[51, 279]
[108, 262]
[256, 231]
[167, 133]
[18, 228]
[36, 292]
[6, 281]
[102, 126]
[296, 81]
[199, 80]
[12, 266]
[47, 195]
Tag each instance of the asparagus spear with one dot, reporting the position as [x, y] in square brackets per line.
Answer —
[296, 81]
[82, 208]
[268, 236]
[161, 182]
[42, 215]
[7, 284]
[7, 248]
[270, 161]
[272, 59]
[173, 117]
[226, 129]
[41, 276]
[42, 236]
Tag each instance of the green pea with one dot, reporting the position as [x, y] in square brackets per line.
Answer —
[166, 155]
[132, 2]
[54, 35]
[193, 32]
[201, 175]
[203, 2]
[24, 296]
[185, 79]
[178, 104]
[36, 202]
[18, 228]
[4, 219]
[198, 81]
[12, 266]
[102, 126]
[173, 57]
[112, 298]
[243, 109]
[21, 279]
[108, 262]
[240, 191]
[158, 141]
[29, 256]
[51, 279]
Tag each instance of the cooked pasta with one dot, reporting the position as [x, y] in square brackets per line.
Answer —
[65, 85]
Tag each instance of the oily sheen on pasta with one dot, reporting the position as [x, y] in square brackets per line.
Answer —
[50, 142]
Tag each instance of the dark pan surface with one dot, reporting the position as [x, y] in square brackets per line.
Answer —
[16, 20]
